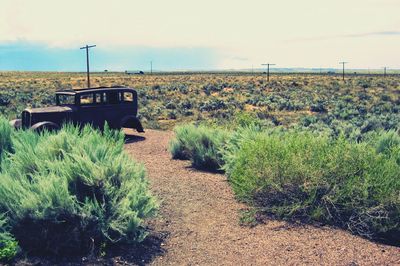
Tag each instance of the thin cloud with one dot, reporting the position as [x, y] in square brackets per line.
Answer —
[356, 35]
[376, 33]
[238, 58]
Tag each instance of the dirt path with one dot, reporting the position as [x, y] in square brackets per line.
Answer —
[200, 216]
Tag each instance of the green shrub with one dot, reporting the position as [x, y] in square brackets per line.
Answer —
[8, 245]
[200, 144]
[386, 141]
[302, 175]
[8, 250]
[5, 136]
[179, 146]
[233, 144]
[72, 191]
[244, 119]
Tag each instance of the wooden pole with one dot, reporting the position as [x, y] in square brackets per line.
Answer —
[87, 47]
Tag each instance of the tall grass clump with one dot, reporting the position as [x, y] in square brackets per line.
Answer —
[5, 137]
[387, 143]
[299, 175]
[73, 191]
[200, 144]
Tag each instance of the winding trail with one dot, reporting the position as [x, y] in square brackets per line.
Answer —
[200, 217]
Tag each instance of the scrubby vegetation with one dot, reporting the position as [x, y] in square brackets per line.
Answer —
[321, 103]
[300, 175]
[199, 144]
[71, 192]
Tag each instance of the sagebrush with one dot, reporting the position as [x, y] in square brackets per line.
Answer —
[73, 191]
[200, 144]
[296, 174]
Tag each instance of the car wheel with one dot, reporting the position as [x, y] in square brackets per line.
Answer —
[46, 125]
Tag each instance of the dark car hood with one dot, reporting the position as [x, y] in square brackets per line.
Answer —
[51, 109]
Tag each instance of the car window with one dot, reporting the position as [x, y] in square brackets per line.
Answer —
[126, 97]
[112, 98]
[64, 99]
[86, 99]
[98, 98]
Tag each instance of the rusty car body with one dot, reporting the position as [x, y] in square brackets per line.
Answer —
[116, 106]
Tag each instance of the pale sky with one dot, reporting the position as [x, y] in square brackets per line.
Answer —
[234, 34]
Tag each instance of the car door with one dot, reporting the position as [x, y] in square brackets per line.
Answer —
[111, 110]
[128, 103]
[90, 105]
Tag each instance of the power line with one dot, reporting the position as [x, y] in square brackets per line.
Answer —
[343, 63]
[87, 47]
[268, 64]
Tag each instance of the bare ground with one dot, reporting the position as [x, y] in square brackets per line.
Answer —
[200, 219]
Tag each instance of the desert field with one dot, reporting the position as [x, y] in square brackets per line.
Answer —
[355, 106]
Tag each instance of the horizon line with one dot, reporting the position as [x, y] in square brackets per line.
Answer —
[130, 71]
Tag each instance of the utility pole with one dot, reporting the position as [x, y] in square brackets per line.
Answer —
[151, 67]
[268, 64]
[87, 47]
[384, 72]
[343, 63]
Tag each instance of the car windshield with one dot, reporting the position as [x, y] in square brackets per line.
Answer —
[65, 99]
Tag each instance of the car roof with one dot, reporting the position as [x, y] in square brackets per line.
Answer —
[97, 89]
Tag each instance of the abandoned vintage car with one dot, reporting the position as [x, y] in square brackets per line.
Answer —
[117, 106]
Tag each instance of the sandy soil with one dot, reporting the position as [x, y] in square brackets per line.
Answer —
[200, 219]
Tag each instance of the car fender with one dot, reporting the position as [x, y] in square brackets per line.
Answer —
[131, 122]
[45, 125]
[16, 123]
